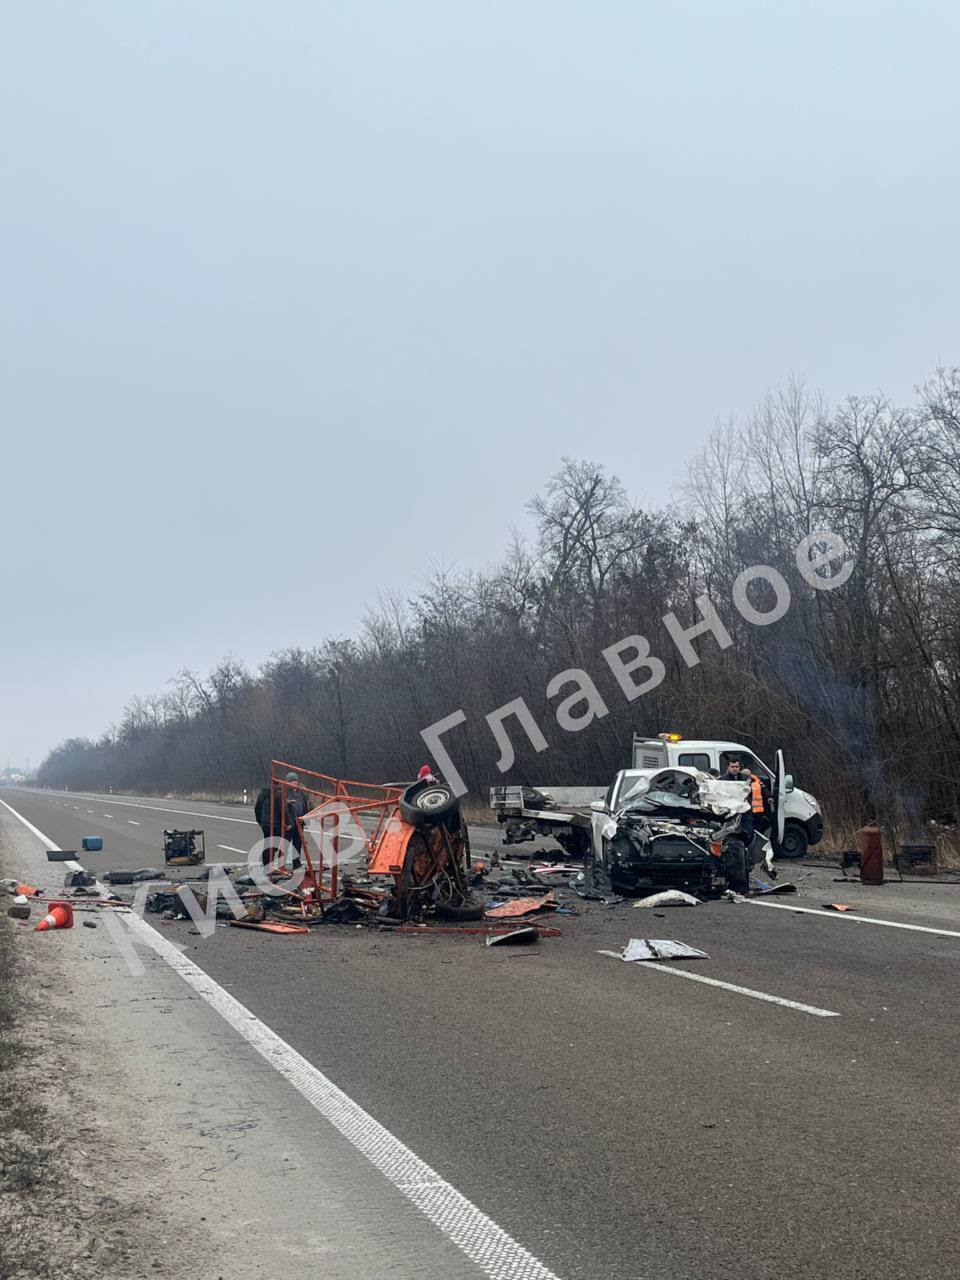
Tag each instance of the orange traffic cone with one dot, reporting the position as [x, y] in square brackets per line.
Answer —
[60, 917]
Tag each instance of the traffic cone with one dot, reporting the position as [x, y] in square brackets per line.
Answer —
[60, 916]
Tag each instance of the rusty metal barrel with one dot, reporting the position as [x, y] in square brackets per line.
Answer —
[871, 855]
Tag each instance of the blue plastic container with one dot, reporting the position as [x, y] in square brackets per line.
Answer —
[91, 844]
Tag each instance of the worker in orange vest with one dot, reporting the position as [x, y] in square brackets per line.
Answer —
[757, 817]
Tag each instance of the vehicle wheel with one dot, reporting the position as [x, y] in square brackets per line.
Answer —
[426, 804]
[575, 843]
[470, 907]
[737, 868]
[794, 843]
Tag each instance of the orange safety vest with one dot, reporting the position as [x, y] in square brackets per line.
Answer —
[756, 795]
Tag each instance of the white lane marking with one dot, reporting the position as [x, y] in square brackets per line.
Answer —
[495, 1252]
[132, 823]
[190, 813]
[108, 815]
[730, 986]
[856, 919]
[230, 849]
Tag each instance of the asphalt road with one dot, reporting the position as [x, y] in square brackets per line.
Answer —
[618, 1120]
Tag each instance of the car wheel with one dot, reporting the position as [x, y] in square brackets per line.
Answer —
[426, 804]
[470, 907]
[794, 843]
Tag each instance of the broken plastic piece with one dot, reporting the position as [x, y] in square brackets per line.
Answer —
[669, 898]
[837, 906]
[515, 937]
[660, 949]
[521, 907]
[269, 926]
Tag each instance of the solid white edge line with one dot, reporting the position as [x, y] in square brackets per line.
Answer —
[495, 1252]
[729, 986]
[854, 918]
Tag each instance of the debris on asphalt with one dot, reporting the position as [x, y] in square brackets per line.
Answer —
[761, 888]
[668, 898]
[61, 855]
[660, 949]
[19, 911]
[123, 876]
[269, 926]
[593, 882]
[521, 907]
[91, 844]
[28, 891]
[837, 906]
[89, 924]
[78, 880]
[516, 937]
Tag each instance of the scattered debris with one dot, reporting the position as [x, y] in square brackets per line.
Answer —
[786, 887]
[61, 855]
[344, 911]
[91, 844]
[123, 876]
[669, 898]
[19, 911]
[837, 906]
[593, 882]
[78, 880]
[269, 926]
[521, 907]
[516, 937]
[660, 949]
[89, 924]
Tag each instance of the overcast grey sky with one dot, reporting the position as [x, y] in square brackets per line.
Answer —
[300, 276]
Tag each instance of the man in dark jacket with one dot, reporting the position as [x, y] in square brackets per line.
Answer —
[278, 819]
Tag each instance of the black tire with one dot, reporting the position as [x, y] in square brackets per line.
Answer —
[470, 908]
[794, 843]
[574, 843]
[427, 804]
[737, 868]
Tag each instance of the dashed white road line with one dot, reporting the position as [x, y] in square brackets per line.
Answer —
[495, 1253]
[730, 986]
[132, 823]
[190, 813]
[854, 918]
[230, 849]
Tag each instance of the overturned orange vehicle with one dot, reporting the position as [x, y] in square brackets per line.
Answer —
[414, 837]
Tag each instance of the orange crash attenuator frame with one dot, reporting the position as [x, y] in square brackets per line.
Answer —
[336, 822]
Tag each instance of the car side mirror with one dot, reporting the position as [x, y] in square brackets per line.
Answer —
[598, 806]
[788, 782]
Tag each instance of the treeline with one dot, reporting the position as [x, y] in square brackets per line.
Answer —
[860, 685]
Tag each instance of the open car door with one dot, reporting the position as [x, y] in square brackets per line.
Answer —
[778, 799]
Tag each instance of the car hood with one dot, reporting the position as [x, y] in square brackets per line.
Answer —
[682, 788]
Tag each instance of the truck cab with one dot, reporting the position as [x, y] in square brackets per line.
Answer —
[803, 823]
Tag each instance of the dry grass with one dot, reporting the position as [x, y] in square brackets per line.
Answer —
[31, 1173]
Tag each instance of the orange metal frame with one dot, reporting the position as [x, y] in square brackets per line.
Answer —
[373, 808]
